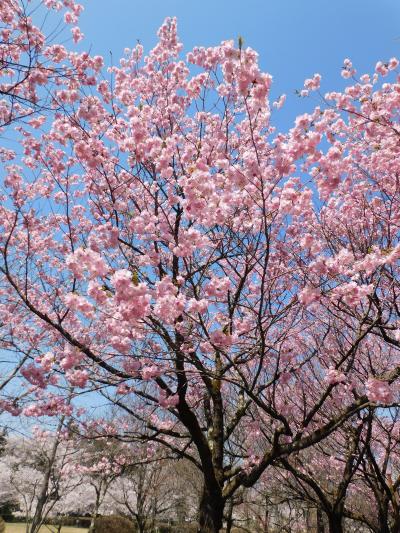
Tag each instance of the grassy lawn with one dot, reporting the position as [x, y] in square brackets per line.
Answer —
[20, 528]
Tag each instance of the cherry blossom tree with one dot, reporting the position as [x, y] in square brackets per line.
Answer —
[232, 289]
[381, 473]
[99, 462]
[324, 486]
[31, 62]
[33, 471]
[144, 492]
[8, 496]
[34, 67]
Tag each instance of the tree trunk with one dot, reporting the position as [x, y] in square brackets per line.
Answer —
[383, 519]
[395, 525]
[309, 518]
[141, 526]
[384, 528]
[335, 523]
[320, 521]
[228, 517]
[91, 527]
[95, 513]
[38, 517]
[211, 512]
[266, 516]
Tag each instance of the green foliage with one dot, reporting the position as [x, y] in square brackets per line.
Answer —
[113, 524]
[7, 509]
[74, 521]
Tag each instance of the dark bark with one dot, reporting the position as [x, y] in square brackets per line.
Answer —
[335, 522]
[141, 496]
[140, 524]
[384, 528]
[229, 516]
[395, 526]
[211, 512]
[266, 516]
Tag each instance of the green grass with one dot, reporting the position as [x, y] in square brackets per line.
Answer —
[20, 528]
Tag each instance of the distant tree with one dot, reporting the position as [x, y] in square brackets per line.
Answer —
[142, 492]
[35, 476]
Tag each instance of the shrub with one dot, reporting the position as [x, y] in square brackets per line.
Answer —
[74, 521]
[113, 524]
[2, 526]
[7, 509]
[177, 528]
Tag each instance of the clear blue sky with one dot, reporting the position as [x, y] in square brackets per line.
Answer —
[294, 38]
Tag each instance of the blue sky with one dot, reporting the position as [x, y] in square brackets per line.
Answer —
[294, 38]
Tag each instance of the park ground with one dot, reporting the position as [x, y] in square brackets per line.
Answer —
[20, 528]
